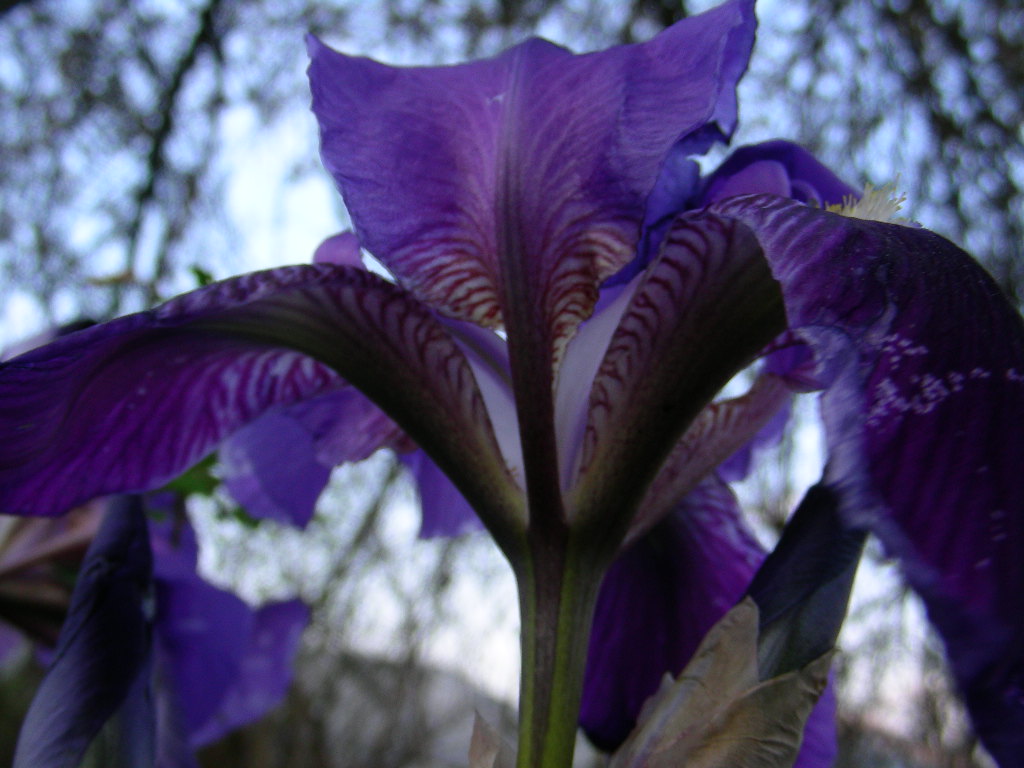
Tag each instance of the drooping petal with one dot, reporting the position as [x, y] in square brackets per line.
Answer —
[270, 469]
[430, 161]
[222, 663]
[924, 419]
[702, 312]
[201, 631]
[445, 512]
[103, 648]
[136, 400]
[657, 602]
[267, 656]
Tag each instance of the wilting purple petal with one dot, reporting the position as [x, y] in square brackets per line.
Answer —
[264, 675]
[103, 648]
[128, 404]
[444, 510]
[657, 602]
[925, 425]
[779, 168]
[702, 312]
[555, 155]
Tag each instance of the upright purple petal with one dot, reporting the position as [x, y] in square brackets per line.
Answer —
[536, 155]
[103, 648]
[778, 168]
[925, 425]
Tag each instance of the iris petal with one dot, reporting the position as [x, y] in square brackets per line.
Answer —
[103, 648]
[657, 602]
[702, 312]
[722, 431]
[924, 419]
[567, 146]
[265, 659]
[269, 467]
[776, 167]
[445, 512]
[137, 400]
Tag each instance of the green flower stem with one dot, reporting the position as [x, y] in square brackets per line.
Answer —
[557, 594]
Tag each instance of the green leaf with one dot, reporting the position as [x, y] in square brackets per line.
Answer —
[201, 275]
[198, 480]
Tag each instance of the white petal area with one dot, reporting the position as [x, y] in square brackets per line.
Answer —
[583, 357]
[487, 354]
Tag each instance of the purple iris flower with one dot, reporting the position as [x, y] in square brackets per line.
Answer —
[150, 646]
[569, 296]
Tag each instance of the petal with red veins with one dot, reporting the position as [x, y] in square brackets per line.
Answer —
[128, 404]
[701, 313]
[723, 430]
[536, 156]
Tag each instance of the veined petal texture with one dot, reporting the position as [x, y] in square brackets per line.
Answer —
[531, 168]
[924, 415]
[128, 404]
